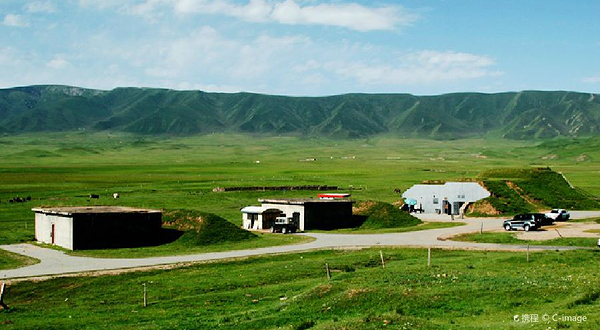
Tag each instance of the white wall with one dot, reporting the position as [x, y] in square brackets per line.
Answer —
[63, 229]
[425, 194]
[288, 210]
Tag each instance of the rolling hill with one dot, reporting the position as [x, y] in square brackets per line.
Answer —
[514, 115]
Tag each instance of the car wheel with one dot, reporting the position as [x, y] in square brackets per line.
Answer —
[507, 227]
[526, 227]
[284, 230]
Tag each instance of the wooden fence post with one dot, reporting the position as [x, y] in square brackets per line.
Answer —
[145, 295]
[429, 257]
[327, 270]
[2, 304]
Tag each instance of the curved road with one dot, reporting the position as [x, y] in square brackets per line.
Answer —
[53, 262]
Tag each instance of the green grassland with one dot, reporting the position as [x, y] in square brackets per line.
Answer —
[381, 215]
[191, 231]
[524, 190]
[511, 238]
[461, 290]
[180, 172]
[9, 260]
[423, 226]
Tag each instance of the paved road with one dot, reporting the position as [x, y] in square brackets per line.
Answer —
[56, 262]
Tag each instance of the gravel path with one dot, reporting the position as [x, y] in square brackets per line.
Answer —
[55, 262]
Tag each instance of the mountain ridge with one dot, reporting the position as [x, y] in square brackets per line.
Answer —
[513, 115]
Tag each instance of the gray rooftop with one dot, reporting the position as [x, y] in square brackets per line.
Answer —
[69, 210]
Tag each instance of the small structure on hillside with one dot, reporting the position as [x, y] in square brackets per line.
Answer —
[449, 198]
[97, 227]
[311, 213]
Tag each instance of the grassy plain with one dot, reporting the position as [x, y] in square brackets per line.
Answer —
[511, 238]
[180, 172]
[461, 290]
[9, 260]
[180, 248]
[423, 226]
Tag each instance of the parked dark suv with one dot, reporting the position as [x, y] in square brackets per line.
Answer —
[542, 219]
[527, 221]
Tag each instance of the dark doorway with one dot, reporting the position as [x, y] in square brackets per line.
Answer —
[447, 208]
[53, 234]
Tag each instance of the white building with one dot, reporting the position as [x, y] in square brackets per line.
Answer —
[259, 217]
[96, 227]
[311, 213]
[447, 198]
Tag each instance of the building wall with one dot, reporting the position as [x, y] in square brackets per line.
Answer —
[289, 209]
[116, 230]
[262, 220]
[328, 215]
[246, 220]
[456, 193]
[63, 229]
[318, 215]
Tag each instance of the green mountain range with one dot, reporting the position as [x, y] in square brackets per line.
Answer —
[520, 115]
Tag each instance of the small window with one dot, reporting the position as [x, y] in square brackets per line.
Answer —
[436, 201]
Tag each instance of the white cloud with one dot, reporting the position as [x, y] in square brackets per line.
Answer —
[346, 15]
[57, 63]
[104, 4]
[254, 10]
[15, 20]
[424, 67]
[591, 80]
[206, 52]
[352, 16]
[40, 7]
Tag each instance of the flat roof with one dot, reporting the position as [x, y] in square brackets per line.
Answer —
[301, 201]
[69, 210]
[259, 209]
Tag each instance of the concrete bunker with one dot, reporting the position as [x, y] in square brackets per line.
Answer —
[312, 213]
[449, 198]
[97, 227]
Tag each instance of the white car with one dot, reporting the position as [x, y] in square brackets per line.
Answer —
[558, 215]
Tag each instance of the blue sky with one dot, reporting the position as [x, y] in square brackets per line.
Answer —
[303, 47]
